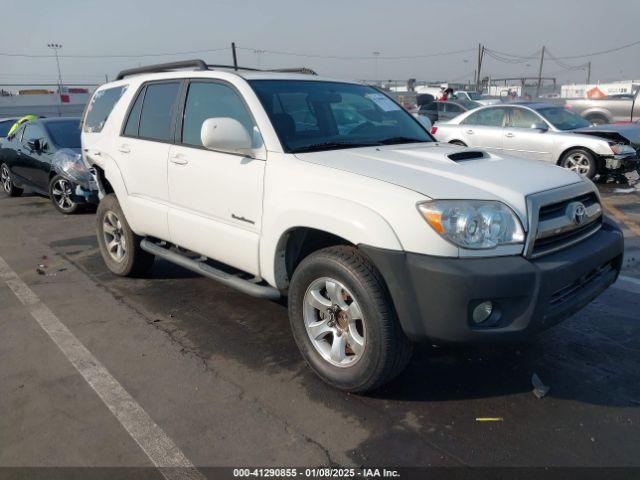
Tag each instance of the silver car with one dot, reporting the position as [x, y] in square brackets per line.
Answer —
[542, 131]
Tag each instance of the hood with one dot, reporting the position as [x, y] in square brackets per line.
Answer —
[427, 169]
[625, 133]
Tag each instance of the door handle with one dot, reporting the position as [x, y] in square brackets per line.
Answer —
[509, 135]
[470, 132]
[124, 149]
[178, 159]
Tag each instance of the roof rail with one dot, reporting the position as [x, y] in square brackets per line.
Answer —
[232, 67]
[197, 64]
[304, 70]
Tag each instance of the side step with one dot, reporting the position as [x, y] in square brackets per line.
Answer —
[245, 286]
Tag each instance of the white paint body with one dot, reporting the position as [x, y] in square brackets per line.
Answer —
[205, 200]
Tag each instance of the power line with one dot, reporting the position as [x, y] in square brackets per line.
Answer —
[139, 55]
[601, 52]
[362, 57]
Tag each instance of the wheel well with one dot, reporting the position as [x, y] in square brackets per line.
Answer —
[597, 115]
[298, 243]
[106, 186]
[593, 154]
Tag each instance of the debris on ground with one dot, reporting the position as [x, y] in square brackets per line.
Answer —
[41, 269]
[489, 419]
[539, 388]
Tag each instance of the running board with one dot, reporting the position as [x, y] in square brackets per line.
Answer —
[245, 286]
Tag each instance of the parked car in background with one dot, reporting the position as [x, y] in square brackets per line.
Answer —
[446, 110]
[610, 109]
[542, 131]
[44, 156]
[378, 235]
[476, 97]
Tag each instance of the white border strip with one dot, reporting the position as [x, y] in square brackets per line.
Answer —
[155, 443]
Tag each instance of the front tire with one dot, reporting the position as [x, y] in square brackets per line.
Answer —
[61, 195]
[597, 120]
[580, 161]
[343, 320]
[7, 184]
[119, 246]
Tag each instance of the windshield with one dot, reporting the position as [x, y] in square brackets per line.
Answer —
[65, 133]
[563, 119]
[313, 115]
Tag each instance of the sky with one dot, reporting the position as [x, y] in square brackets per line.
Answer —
[318, 29]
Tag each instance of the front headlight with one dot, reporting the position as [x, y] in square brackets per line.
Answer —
[621, 148]
[473, 224]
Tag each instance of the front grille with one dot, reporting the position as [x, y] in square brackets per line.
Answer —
[565, 293]
[557, 230]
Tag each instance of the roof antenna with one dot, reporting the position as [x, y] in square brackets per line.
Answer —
[235, 58]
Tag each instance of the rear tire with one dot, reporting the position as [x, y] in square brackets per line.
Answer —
[344, 322]
[7, 184]
[580, 161]
[119, 246]
[60, 193]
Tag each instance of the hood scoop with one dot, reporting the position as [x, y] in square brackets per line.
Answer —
[466, 155]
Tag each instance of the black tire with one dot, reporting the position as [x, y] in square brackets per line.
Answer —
[60, 193]
[134, 261]
[387, 350]
[458, 142]
[7, 183]
[596, 119]
[581, 161]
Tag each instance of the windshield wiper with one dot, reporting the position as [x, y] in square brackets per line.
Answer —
[316, 147]
[397, 140]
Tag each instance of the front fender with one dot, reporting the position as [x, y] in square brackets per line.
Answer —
[347, 219]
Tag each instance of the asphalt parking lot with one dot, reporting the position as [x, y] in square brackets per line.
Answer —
[218, 372]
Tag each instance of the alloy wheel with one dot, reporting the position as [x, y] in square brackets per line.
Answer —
[114, 238]
[5, 178]
[62, 193]
[579, 163]
[334, 322]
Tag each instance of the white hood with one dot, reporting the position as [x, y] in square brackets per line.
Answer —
[426, 169]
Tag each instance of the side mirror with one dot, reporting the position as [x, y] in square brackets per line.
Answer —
[226, 135]
[542, 127]
[34, 145]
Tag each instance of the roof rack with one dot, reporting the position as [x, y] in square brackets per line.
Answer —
[200, 65]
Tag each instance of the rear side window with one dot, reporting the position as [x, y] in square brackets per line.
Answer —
[488, 117]
[158, 110]
[100, 107]
[5, 126]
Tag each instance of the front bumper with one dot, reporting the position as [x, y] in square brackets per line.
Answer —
[621, 163]
[434, 296]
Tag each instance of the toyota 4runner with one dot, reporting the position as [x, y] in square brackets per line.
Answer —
[330, 193]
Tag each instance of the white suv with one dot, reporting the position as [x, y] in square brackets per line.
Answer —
[332, 194]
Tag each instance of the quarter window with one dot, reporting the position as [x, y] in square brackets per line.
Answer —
[487, 117]
[133, 122]
[100, 107]
[158, 110]
[208, 100]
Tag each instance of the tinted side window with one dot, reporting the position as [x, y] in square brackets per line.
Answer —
[522, 118]
[133, 122]
[100, 107]
[208, 100]
[5, 126]
[33, 132]
[157, 111]
[488, 117]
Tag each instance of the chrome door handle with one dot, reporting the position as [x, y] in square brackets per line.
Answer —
[509, 135]
[124, 149]
[179, 159]
[470, 132]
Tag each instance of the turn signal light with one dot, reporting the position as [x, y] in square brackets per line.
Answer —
[434, 130]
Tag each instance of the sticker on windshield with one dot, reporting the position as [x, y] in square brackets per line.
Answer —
[384, 102]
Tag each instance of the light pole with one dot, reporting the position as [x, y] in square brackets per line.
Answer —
[375, 64]
[55, 47]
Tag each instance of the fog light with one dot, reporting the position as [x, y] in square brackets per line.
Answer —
[482, 312]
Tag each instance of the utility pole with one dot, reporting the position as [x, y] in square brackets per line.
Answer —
[540, 72]
[588, 73]
[55, 47]
[479, 70]
[235, 57]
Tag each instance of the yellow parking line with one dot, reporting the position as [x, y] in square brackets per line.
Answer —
[621, 217]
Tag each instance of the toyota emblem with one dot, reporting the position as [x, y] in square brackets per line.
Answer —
[576, 212]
